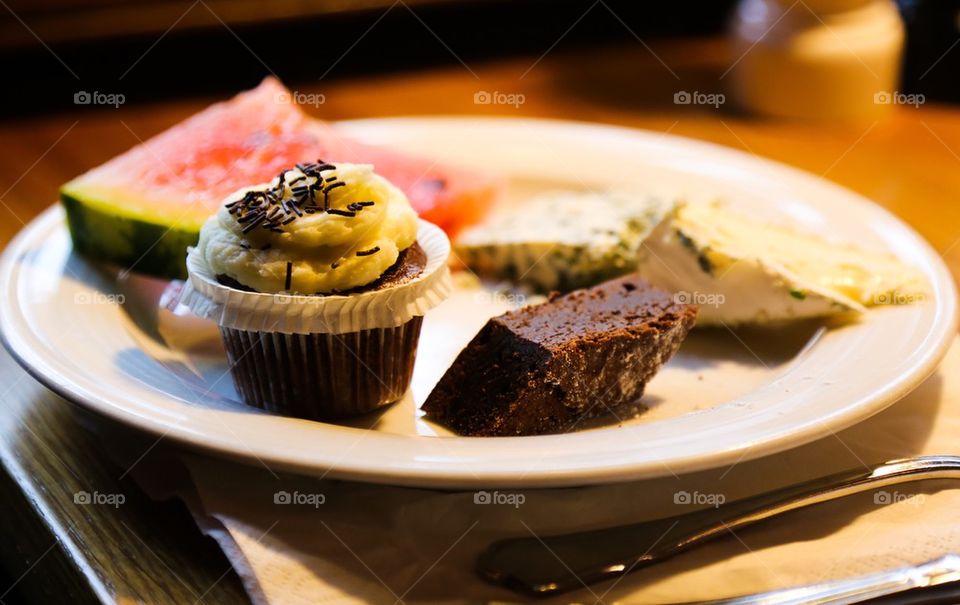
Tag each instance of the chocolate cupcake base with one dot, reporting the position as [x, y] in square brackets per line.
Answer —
[322, 376]
[323, 357]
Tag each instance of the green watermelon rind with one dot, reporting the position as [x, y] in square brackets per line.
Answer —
[137, 244]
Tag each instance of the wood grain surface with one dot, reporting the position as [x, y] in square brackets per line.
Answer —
[142, 551]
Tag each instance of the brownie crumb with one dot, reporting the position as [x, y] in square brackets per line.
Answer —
[544, 368]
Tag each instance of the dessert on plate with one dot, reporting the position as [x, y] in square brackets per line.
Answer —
[544, 368]
[319, 281]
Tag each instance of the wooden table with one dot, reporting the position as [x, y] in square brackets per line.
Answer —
[147, 552]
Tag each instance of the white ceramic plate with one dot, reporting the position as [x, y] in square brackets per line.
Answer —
[723, 398]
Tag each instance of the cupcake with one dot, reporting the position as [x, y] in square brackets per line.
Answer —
[319, 281]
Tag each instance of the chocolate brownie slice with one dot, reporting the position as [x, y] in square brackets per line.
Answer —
[543, 368]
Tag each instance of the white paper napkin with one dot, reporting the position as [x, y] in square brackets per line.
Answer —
[297, 540]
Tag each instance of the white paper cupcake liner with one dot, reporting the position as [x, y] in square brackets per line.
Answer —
[334, 314]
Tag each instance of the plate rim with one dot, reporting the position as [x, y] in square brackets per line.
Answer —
[443, 477]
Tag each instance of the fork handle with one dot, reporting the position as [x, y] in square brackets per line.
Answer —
[542, 566]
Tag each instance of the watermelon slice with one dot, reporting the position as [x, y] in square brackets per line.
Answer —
[142, 209]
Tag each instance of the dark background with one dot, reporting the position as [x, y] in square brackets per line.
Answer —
[205, 57]
[197, 48]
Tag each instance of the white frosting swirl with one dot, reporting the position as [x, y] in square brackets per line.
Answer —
[321, 249]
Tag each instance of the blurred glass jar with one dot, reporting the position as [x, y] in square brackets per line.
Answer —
[817, 59]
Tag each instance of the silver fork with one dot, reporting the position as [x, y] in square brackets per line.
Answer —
[541, 566]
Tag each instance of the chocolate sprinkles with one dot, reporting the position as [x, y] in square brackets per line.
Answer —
[286, 283]
[358, 206]
[274, 208]
[253, 224]
[373, 250]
